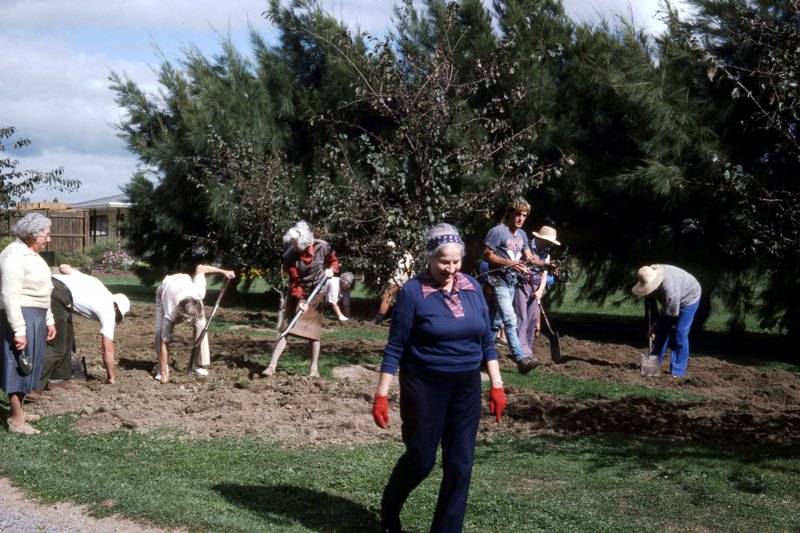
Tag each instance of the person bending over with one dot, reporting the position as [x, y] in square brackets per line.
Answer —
[179, 298]
[91, 299]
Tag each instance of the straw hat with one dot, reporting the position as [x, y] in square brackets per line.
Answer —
[546, 233]
[123, 304]
[648, 279]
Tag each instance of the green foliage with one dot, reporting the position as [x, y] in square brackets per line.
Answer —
[80, 260]
[15, 184]
[444, 148]
[680, 148]
[750, 53]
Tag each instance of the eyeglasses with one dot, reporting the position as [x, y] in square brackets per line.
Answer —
[45, 235]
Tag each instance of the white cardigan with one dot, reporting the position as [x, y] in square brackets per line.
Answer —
[24, 282]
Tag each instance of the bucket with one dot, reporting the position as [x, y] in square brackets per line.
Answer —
[649, 365]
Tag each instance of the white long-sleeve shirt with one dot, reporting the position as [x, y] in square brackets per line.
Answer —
[24, 282]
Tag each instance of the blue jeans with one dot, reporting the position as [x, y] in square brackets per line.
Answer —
[503, 300]
[677, 340]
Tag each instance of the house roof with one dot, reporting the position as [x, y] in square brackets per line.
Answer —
[118, 200]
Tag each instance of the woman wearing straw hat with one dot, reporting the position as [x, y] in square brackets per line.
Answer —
[529, 294]
[678, 293]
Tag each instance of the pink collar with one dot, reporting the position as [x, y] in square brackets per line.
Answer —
[429, 285]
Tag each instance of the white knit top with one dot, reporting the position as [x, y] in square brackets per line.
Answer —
[24, 282]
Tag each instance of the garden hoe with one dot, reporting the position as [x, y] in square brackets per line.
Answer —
[555, 343]
[196, 345]
[299, 312]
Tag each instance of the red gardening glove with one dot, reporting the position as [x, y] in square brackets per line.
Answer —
[497, 401]
[380, 411]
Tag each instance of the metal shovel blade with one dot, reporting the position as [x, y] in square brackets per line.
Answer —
[555, 347]
[552, 336]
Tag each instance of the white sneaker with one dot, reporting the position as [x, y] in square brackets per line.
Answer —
[157, 377]
[200, 371]
[343, 318]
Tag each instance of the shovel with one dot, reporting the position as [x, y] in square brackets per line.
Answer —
[196, 345]
[299, 312]
[555, 343]
[648, 363]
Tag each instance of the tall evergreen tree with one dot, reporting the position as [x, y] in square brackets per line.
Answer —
[748, 54]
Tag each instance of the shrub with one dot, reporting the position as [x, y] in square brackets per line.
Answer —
[79, 260]
[111, 261]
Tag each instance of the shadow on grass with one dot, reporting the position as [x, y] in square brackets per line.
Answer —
[313, 509]
[608, 450]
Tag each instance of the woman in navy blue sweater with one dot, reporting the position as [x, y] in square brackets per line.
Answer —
[439, 337]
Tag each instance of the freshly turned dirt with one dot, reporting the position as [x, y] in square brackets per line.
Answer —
[734, 402]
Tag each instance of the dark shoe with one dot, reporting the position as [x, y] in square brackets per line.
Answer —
[526, 364]
[59, 385]
[33, 397]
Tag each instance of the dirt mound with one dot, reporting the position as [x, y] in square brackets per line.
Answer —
[734, 401]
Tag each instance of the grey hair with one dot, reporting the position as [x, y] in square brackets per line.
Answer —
[189, 309]
[348, 279]
[440, 230]
[299, 236]
[30, 226]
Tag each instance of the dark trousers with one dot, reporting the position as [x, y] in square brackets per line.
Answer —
[435, 407]
[58, 354]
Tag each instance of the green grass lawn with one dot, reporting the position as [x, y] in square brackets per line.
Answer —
[546, 484]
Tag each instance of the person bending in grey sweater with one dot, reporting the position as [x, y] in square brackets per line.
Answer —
[678, 294]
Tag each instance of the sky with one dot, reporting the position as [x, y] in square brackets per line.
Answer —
[56, 57]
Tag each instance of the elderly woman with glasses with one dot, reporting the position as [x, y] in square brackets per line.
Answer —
[26, 322]
[439, 338]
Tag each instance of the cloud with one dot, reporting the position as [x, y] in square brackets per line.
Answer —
[151, 15]
[101, 174]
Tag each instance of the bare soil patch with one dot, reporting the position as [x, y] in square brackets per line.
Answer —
[740, 403]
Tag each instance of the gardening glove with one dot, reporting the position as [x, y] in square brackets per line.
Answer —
[380, 411]
[497, 401]
[328, 273]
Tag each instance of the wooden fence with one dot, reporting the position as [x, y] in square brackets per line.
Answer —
[69, 232]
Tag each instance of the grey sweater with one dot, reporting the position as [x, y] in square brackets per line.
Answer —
[678, 289]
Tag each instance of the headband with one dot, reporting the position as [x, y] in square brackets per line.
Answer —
[435, 242]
